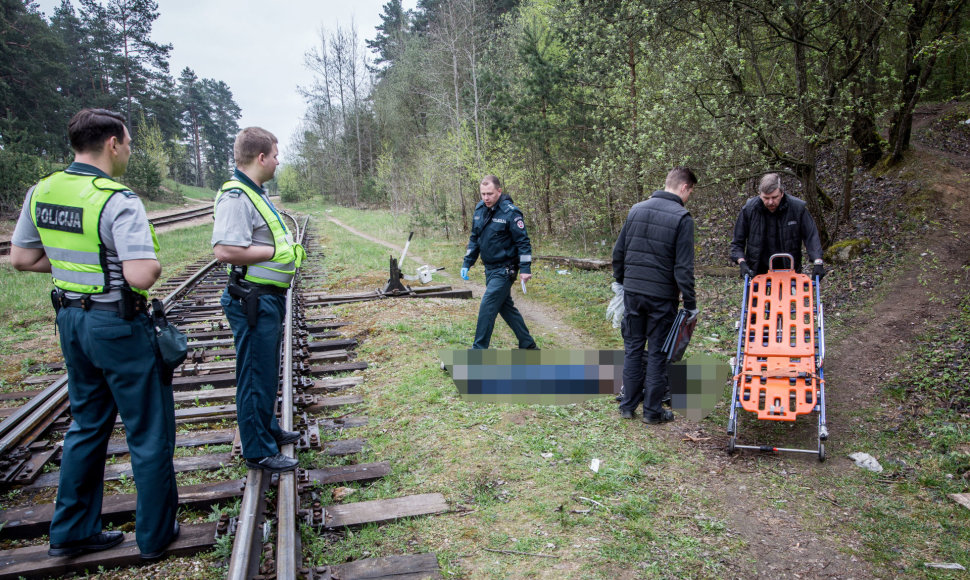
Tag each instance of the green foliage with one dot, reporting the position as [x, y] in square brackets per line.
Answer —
[148, 165]
[19, 171]
[292, 185]
[103, 56]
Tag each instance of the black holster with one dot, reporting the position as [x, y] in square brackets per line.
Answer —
[512, 271]
[246, 294]
[128, 305]
[56, 297]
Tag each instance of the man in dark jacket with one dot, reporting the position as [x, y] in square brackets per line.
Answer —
[654, 261]
[774, 223]
[498, 234]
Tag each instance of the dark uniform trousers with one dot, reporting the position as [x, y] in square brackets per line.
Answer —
[112, 368]
[257, 371]
[498, 300]
[646, 323]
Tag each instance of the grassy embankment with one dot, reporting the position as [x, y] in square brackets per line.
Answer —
[652, 510]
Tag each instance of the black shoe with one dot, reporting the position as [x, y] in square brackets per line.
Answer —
[158, 554]
[97, 542]
[273, 463]
[625, 414]
[287, 437]
[665, 416]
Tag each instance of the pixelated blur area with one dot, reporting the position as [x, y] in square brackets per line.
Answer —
[534, 377]
[696, 384]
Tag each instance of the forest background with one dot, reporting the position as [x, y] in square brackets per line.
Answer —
[580, 106]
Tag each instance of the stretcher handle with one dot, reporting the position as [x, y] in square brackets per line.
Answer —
[771, 262]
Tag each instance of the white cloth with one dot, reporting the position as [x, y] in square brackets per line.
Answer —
[615, 310]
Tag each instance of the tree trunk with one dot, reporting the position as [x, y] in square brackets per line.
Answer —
[634, 128]
[813, 194]
[198, 151]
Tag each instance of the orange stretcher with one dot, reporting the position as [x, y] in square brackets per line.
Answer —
[781, 347]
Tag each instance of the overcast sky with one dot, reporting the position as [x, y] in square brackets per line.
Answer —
[255, 47]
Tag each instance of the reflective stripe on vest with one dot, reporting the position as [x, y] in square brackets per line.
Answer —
[66, 209]
[279, 270]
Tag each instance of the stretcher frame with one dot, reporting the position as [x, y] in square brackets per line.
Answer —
[780, 354]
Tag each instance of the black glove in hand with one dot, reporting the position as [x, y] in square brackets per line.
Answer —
[818, 271]
[746, 270]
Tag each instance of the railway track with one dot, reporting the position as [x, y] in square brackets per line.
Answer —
[181, 216]
[265, 535]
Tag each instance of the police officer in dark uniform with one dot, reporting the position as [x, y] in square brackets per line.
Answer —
[250, 236]
[92, 235]
[498, 234]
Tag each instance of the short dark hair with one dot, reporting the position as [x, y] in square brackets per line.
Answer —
[250, 142]
[679, 175]
[90, 128]
[769, 183]
[495, 181]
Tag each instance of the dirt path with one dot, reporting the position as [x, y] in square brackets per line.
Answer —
[859, 359]
[541, 318]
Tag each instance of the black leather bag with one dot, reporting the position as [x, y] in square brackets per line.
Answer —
[173, 346]
[679, 336]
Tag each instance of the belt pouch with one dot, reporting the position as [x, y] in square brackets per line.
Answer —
[171, 343]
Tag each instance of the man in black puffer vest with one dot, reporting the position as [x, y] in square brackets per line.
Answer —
[654, 261]
[774, 223]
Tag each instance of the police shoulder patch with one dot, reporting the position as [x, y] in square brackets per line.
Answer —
[520, 223]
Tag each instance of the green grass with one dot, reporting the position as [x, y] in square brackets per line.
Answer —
[659, 510]
[190, 192]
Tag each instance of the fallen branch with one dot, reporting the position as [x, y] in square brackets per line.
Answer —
[689, 437]
[581, 263]
[595, 502]
[518, 553]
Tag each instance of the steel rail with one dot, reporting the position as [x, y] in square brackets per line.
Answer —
[246, 547]
[39, 407]
[169, 301]
[174, 218]
[287, 498]
[242, 564]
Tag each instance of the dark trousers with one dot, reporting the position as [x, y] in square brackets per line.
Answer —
[257, 372]
[112, 368]
[645, 324]
[498, 300]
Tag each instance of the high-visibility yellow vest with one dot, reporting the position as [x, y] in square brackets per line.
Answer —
[280, 269]
[66, 209]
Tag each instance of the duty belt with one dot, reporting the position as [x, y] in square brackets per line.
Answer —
[124, 309]
[248, 295]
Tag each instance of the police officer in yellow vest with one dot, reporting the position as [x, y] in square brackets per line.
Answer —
[92, 235]
[252, 238]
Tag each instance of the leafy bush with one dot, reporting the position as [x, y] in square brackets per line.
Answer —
[19, 172]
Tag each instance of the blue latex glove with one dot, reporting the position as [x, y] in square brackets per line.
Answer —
[464, 273]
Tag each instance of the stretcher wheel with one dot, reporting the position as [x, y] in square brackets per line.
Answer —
[731, 447]
[821, 452]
